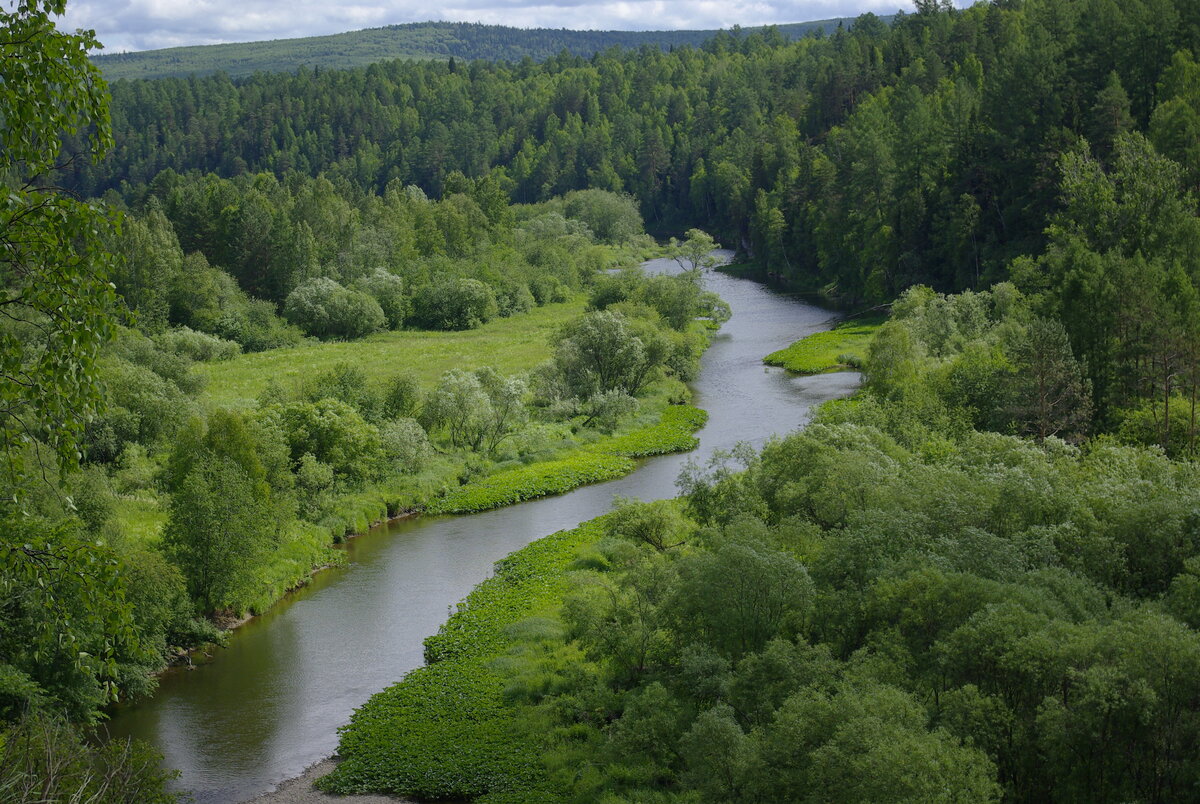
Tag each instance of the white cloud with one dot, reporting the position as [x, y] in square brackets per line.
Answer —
[147, 24]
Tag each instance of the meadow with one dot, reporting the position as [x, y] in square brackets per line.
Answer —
[509, 345]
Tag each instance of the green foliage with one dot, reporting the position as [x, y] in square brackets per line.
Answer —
[599, 352]
[453, 304]
[67, 632]
[59, 307]
[612, 217]
[694, 252]
[224, 513]
[528, 482]
[198, 346]
[405, 445]
[325, 309]
[331, 431]
[674, 432]
[477, 410]
[837, 349]
[388, 291]
[602, 460]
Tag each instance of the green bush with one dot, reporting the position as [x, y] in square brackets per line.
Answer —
[323, 308]
[453, 304]
[330, 430]
[388, 291]
[196, 345]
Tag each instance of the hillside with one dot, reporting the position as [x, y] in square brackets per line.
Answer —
[420, 40]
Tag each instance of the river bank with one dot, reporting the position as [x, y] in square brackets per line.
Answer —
[300, 790]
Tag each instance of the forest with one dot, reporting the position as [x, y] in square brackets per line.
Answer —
[247, 318]
[414, 40]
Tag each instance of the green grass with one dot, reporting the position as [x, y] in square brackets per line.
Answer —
[509, 345]
[605, 459]
[674, 432]
[825, 351]
[579, 468]
[142, 519]
[447, 730]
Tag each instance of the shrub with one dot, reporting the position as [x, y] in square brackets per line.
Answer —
[514, 298]
[613, 218]
[256, 327]
[387, 290]
[453, 304]
[195, 345]
[548, 290]
[405, 445]
[401, 397]
[331, 431]
[325, 309]
[346, 383]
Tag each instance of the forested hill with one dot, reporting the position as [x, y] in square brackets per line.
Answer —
[1050, 142]
[418, 40]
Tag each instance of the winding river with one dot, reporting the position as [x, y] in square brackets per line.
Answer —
[270, 703]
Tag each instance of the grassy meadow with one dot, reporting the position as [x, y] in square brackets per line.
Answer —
[509, 345]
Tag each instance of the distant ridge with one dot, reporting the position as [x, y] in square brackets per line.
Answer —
[418, 40]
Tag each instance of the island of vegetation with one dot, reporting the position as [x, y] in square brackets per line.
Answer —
[287, 306]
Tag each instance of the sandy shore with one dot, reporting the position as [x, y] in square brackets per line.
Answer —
[300, 791]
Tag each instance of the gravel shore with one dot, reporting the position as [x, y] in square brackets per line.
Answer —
[300, 791]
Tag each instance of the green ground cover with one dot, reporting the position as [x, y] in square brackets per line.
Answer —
[447, 730]
[675, 431]
[510, 486]
[605, 459]
[509, 345]
[828, 351]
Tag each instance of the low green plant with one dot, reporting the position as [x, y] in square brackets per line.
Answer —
[839, 349]
[606, 459]
[528, 482]
[674, 432]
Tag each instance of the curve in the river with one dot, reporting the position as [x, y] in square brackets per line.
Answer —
[270, 703]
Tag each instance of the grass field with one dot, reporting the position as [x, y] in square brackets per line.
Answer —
[825, 351]
[508, 344]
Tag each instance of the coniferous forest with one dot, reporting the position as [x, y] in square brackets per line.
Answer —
[247, 318]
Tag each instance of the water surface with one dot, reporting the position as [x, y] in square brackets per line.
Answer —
[270, 703]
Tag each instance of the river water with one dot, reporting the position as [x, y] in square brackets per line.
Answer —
[270, 703]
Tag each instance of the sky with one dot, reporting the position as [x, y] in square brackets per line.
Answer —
[125, 25]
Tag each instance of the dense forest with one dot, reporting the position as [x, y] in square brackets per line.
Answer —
[1048, 142]
[974, 580]
[414, 40]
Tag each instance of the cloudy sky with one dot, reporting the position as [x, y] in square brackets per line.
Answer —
[146, 24]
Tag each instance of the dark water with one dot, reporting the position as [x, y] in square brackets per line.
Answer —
[270, 703]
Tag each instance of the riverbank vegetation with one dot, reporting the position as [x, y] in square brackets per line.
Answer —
[941, 579]
[843, 347]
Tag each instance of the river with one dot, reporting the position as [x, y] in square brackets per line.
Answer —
[270, 703]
